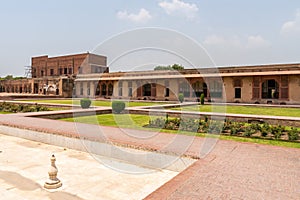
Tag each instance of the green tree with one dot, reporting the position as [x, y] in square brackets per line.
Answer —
[169, 67]
[177, 67]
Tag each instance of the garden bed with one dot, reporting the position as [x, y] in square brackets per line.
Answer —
[6, 107]
[242, 129]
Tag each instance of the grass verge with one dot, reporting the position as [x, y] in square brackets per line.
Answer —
[251, 110]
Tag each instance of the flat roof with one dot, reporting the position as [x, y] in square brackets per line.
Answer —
[124, 76]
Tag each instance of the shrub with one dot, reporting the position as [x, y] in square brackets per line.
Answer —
[277, 131]
[16, 108]
[265, 129]
[202, 98]
[118, 106]
[293, 134]
[85, 103]
[249, 131]
[180, 97]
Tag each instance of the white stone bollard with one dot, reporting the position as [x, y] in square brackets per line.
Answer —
[53, 182]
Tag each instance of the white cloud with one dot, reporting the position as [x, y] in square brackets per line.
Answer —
[217, 40]
[235, 41]
[142, 17]
[256, 41]
[178, 7]
[293, 26]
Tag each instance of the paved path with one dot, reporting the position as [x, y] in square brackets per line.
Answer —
[232, 170]
[24, 165]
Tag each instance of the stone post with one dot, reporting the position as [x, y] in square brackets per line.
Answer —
[53, 182]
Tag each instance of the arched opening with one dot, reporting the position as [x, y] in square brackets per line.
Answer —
[97, 92]
[103, 89]
[110, 89]
[199, 88]
[205, 89]
[147, 90]
[270, 89]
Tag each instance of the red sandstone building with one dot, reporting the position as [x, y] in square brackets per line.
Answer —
[87, 75]
[55, 75]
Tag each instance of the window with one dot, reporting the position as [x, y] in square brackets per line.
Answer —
[110, 89]
[103, 89]
[147, 90]
[97, 92]
[237, 84]
[167, 90]
[130, 89]
[216, 89]
[88, 92]
[237, 93]
[184, 88]
[198, 88]
[270, 89]
[60, 71]
[120, 88]
[81, 88]
[284, 89]
[51, 72]
[65, 70]
[42, 73]
[139, 89]
[70, 71]
[256, 87]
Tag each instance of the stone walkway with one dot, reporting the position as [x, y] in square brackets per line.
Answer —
[24, 166]
[232, 170]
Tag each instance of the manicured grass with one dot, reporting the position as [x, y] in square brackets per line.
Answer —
[139, 121]
[1, 112]
[116, 120]
[252, 110]
[94, 103]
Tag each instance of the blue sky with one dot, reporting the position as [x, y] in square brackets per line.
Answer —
[233, 32]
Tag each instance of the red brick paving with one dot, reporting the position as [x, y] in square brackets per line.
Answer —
[232, 170]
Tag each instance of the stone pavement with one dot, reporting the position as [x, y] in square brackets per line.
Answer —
[24, 166]
[232, 170]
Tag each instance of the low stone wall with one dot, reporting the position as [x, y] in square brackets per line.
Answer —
[151, 160]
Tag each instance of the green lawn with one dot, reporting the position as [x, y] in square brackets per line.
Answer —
[94, 103]
[252, 110]
[121, 120]
[139, 121]
[1, 112]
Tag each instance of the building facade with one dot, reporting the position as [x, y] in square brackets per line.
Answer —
[277, 84]
[55, 75]
[87, 75]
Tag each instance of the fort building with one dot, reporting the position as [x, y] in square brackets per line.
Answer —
[87, 75]
[55, 75]
[245, 84]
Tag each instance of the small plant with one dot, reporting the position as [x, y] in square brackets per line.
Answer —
[249, 131]
[118, 106]
[265, 129]
[293, 134]
[277, 131]
[85, 103]
[16, 108]
[180, 97]
[202, 98]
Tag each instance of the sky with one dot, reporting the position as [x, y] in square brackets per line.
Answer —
[232, 32]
